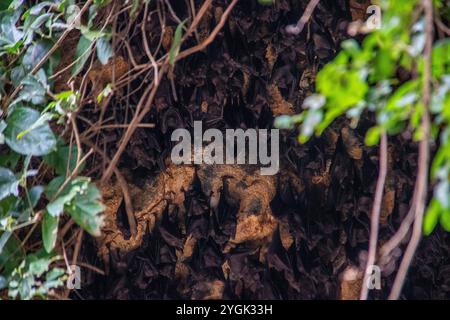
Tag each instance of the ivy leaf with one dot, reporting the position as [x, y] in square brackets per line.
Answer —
[17, 75]
[4, 4]
[34, 54]
[35, 10]
[34, 89]
[53, 278]
[82, 54]
[56, 206]
[11, 253]
[37, 142]
[32, 25]
[104, 50]
[15, 4]
[9, 184]
[49, 231]
[34, 195]
[4, 237]
[10, 35]
[80, 199]
[85, 210]
[72, 12]
[3, 283]
[38, 263]
[63, 159]
[176, 43]
[2, 128]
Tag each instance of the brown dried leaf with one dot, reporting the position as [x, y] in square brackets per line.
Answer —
[271, 56]
[352, 144]
[286, 238]
[278, 105]
[167, 38]
[387, 206]
[358, 9]
[351, 282]
[209, 290]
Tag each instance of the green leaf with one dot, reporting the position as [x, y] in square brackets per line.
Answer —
[58, 201]
[2, 128]
[431, 217]
[37, 142]
[11, 254]
[91, 34]
[15, 4]
[342, 86]
[35, 53]
[265, 2]
[440, 60]
[34, 89]
[34, 195]
[104, 49]
[17, 75]
[80, 199]
[101, 2]
[43, 119]
[3, 283]
[71, 13]
[445, 220]
[373, 136]
[82, 54]
[49, 231]
[9, 184]
[59, 159]
[284, 122]
[36, 9]
[38, 263]
[10, 35]
[85, 210]
[4, 237]
[4, 4]
[176, 43]
[104, 93]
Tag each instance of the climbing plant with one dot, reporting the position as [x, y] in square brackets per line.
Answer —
[364, 77]
[32, 114]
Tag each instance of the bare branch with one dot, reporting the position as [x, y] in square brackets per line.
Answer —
[375, 215]
[296, 29]
[424, 155]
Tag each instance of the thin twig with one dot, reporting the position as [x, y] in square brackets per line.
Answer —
[424, 154]
[124, 187]
[442, 26]
[146, 46]
[296, 29]
[397, 238]
[198, 17]
[77, 137]
[375, 216]
[211, 37]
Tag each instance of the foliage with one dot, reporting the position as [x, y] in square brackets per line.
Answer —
[28, 143]
[364, 77]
